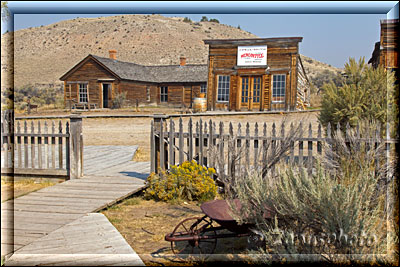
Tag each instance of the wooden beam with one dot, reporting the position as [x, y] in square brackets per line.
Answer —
[262, 93]
[239, 93]
[251, 92]
[30, 171]
[88, 100]
[101, 95]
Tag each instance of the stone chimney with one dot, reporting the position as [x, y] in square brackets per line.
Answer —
[113, 54]
[182, 61]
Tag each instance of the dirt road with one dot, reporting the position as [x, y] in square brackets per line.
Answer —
[136, 131]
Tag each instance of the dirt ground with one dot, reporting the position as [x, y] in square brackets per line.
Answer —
[136, 131]
[144, 224]
[13, 189]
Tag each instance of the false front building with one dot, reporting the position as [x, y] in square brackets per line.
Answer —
[97, 81]
[256, 74]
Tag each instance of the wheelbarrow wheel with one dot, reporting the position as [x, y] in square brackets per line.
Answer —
[202, 239]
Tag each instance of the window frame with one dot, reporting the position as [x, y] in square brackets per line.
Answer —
[203, 89]
[258, 91]
[223, 91]
[273, 89]
[83, 95]
[164, 95]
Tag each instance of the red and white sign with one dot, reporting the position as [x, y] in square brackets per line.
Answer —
[252, 55]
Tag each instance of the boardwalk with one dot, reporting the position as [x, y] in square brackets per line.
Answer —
[113, 161]
[90, 240]
[60, 219]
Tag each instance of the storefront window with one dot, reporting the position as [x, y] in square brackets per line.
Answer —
[278, 88]
[223, 88]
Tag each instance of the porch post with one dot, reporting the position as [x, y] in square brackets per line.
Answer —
[75, 148]
[160, 152]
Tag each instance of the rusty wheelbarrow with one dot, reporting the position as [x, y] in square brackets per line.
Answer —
[197, 236]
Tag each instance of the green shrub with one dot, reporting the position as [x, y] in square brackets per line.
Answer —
[190, 181]
[214, 20]
[204, 18]
[365, 94]
[186, 19]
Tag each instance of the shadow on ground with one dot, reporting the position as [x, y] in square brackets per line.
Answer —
[138, 175]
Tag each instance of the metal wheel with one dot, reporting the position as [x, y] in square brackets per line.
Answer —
[202, 239]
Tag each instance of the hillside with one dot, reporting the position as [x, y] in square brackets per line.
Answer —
[43, 54]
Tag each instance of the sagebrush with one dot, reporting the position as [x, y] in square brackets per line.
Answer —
[341, 211]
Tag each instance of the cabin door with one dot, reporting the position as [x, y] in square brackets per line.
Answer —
[251, 92]
[106, 90]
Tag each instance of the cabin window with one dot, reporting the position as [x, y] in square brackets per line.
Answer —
[203, 89]
[148, 94]
[164, 93]
[83, 94]
[278, 88]
[223, 88]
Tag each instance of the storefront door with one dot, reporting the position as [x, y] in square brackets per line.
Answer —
[256, 88]
[251, 92]
[245, 93]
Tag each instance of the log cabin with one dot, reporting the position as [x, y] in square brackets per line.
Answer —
[385, 52]
[96, 81]
[256, 74]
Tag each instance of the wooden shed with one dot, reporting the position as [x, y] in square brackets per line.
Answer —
[255, 74]
[97, 80]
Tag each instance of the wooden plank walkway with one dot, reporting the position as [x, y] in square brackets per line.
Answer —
[57, 210]
[113, 161]
[90, 240]
[30, 217]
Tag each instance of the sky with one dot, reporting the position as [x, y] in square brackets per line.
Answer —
[330, 38]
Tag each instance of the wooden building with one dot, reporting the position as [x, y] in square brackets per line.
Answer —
[386, 50]
[97, 80]
[255, 74]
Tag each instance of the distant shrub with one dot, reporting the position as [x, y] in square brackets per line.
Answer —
[326, 76]
[190, 181]
[204, 18]
[186, 19]
[214, 20]
[119, 100]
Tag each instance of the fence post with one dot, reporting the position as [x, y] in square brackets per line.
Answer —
[160, 155]
[75, 147]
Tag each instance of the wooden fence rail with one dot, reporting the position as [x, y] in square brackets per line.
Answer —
[228, 150]
[43, 148]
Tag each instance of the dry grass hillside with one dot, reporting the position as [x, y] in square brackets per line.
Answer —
[43, 54]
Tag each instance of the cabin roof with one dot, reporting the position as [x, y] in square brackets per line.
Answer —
[156, 74]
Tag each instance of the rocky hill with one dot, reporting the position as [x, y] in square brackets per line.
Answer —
[43, 54]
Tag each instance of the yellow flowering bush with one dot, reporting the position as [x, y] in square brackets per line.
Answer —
[190, 181]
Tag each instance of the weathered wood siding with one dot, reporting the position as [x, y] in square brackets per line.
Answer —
[89, 72]
[389, 39]
[188, 95]
[139, 91]
[281, 59]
